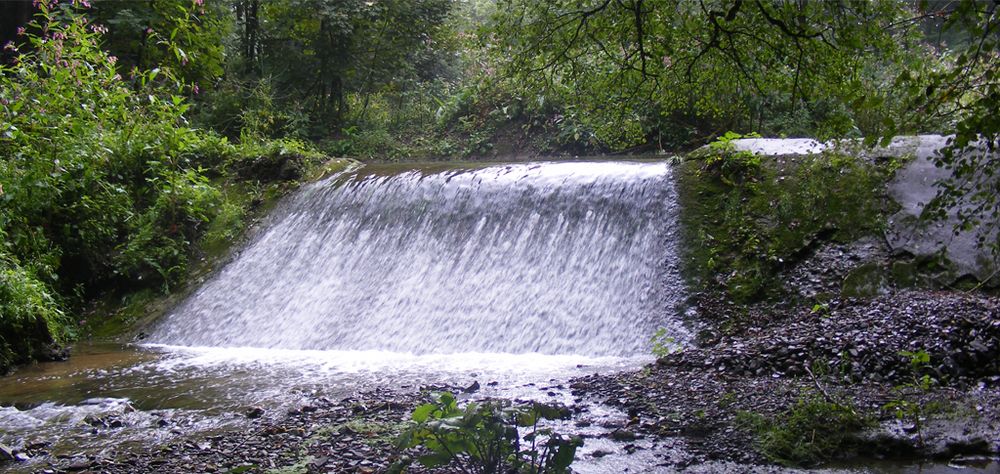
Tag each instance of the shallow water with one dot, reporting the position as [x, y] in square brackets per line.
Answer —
[155, 393]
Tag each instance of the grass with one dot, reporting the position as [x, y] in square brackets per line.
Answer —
[810, 432]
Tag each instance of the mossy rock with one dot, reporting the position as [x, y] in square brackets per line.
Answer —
[274, 167]
[865, 281]
[933, 272]
[742, 229]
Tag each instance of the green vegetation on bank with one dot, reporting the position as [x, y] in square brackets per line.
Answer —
[748, 217]
[485, 437]
[106, 187]
[810, 432]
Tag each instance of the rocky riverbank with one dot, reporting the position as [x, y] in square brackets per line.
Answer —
[349, 435]
[697, 409]
[848, 353]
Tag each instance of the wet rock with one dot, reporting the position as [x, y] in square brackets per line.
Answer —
[79, 465]
[472, 388]
[975, 462]
[865, 281]
[623, 435]
[6, 453]
[913, 187]
[54, 352]
[254, 412]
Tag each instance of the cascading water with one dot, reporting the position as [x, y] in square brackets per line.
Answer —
[552, 258]
[519, 276]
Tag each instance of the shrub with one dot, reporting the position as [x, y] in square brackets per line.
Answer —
[810, 432]
[29, 317]
[102, 183]
[747, 218]
[484, 438]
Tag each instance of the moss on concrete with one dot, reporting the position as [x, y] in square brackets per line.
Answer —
[747, 217]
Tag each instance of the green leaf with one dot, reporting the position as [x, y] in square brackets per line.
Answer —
[422, 412]
[434, 459]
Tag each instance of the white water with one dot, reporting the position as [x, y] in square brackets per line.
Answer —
[550, 258]
[516, 276]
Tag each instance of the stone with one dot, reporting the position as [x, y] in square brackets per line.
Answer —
[472, 388]
[913, 187]
[6, 453]
[864, 281]
[623, 435]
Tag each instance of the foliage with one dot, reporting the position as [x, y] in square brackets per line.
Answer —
[634, 70]
[29, 315]
[183, 35]
[729, 165]
[664, 345]
[103, 181]
[104, 185]
[324, 54]
[921, 382]
[810, 432]
[484, 438]
[165, 231]
[746, 219]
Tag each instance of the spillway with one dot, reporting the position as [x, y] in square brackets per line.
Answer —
[558, 258]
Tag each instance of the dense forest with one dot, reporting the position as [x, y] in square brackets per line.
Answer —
[137, 134]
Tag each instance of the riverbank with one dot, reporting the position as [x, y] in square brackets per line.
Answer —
[696, 410]
[818, 353]
[796, 369]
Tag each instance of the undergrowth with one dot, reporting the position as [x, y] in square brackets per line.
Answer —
[104, 186]
[811, 431]
[746, 217]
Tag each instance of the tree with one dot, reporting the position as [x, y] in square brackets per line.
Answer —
[318, 52]
[637, 67]
[184, 35]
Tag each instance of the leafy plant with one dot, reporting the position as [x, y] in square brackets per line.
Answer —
[29, 315]
[484, 437]
[812, 431]
[664, 345]
[759, 216]
[918, 386]
[731, 166]
[821, 309]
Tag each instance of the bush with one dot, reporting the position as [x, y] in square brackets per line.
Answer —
[810, 432]
[158, 244]
[484, 438]
[103, 184]
[30, 321]
[747, 218]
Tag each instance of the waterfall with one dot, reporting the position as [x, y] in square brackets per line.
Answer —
[552, 258]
